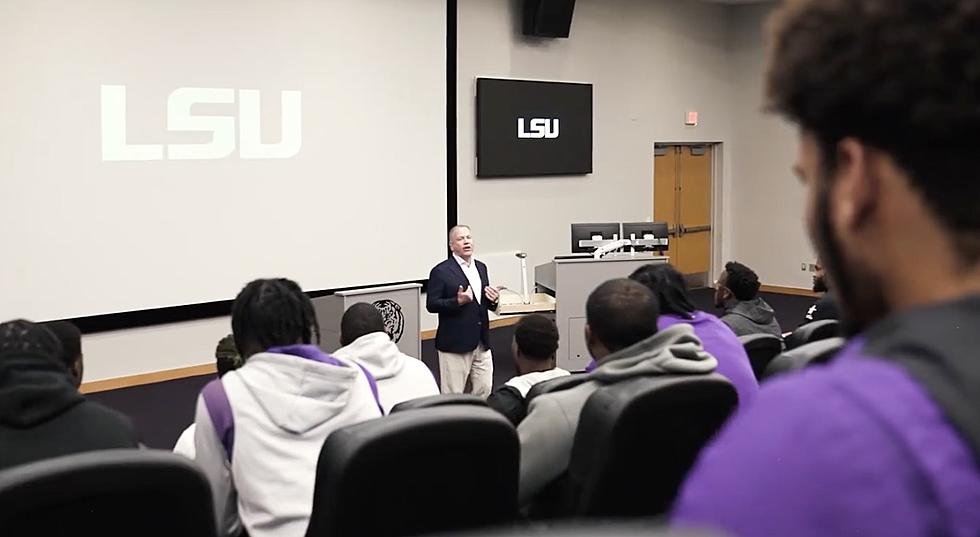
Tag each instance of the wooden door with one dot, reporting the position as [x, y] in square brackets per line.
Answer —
[682, 197]
[665, 183]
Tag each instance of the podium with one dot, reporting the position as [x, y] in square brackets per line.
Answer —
[570, 279]
[399, 306]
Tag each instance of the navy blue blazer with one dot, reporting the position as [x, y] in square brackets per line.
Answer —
[461, 328]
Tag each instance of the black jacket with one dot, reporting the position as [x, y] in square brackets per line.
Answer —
[42, 415]
[825, 308]
[508, 401]
[461, 328]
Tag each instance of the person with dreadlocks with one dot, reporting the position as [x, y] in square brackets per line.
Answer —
[226, 358]
[259, 428]
[42, 415]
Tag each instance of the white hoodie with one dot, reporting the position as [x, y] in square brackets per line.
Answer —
[400, 377]
[283, 405]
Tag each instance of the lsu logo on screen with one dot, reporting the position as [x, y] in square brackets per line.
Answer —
[538, 128]
[115, 146]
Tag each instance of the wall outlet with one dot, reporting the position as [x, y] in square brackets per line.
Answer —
[803, 267]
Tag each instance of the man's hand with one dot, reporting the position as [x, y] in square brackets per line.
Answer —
[464, 297]
[492, 294]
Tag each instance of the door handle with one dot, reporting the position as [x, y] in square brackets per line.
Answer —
[697, 229]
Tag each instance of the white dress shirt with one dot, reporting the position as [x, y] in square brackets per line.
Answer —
[473, 275]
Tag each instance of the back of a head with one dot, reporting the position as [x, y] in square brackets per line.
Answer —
[536, 337]
[669, 287]
[25, 337]
[621, 313]
[271, 313]
[70, 338]
[742, 281]
[901, 76]
[226, 355]
[359, 320]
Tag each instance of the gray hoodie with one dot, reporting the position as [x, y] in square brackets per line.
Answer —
[548, 431]
[751, 317]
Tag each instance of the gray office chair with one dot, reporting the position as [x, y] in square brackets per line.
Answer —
[112, 493]
[637, 439]
[818, 352]
[427, 470]
[431, 401]
[761, 348]
[811, 332]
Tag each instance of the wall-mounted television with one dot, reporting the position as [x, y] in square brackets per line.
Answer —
[530, 128]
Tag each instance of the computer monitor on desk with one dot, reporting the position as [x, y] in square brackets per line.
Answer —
[646, 230]
[587, 232]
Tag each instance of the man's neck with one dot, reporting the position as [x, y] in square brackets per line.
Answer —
[466, 259]
[537, 368]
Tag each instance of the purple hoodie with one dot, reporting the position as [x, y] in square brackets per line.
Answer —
[856, 447]
[719, 341]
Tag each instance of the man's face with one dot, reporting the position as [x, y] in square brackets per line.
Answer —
[833, 234]
[819, 280]
[461, 242]
[722, 293]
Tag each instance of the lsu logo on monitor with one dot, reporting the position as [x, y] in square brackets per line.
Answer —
[115, 146]
[538, 128]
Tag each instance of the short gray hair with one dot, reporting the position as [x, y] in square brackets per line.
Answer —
[456, 228]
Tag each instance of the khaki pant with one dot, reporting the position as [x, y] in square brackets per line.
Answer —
[475, 366]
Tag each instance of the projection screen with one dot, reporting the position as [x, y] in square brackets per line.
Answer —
[155, 154]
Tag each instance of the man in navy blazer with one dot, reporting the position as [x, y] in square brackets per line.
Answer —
[460, 293]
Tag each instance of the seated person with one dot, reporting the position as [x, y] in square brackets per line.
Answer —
[42, 414]
[621, 334]
[884, 440]
[534, 346]
[716, 337]
[365, 342]
[737, 292]
[225, 359]
[71, 348]
[825, 308]
[260, 428]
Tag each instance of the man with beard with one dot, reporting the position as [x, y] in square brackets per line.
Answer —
[825, 308]
[885, 440]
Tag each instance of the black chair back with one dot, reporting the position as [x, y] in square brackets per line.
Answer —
[440, 469]
[431, 401]
[116, 493]
[761, 348]
[818, 352]
[810, 332]
[555, 385]
[636, 441]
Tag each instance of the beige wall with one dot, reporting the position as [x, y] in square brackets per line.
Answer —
[766, 199]
[649, 61]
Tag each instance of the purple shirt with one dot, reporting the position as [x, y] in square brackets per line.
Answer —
[856, 447]
[719, 341]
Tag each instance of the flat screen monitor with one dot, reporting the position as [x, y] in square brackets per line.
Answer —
[645, 230]
[528, 128]
[583, 232]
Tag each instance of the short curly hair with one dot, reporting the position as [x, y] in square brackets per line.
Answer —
[537, 337]
[742, 281]
[902, 76]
